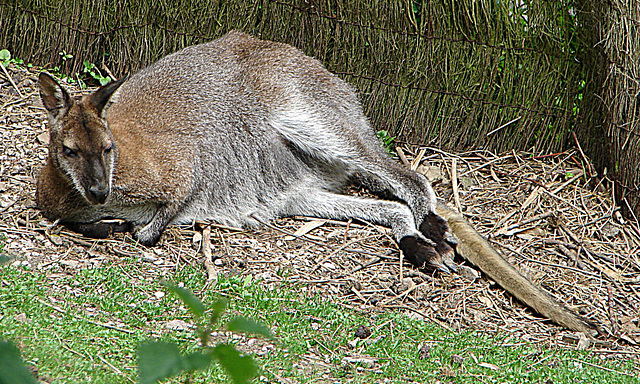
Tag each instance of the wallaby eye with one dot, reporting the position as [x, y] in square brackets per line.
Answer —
[108, 148]
[69, 152]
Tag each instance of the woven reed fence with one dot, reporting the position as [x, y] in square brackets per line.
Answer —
[610, 124]
[483, 74]
[443, 72]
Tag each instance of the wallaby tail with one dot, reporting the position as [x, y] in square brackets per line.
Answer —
[475, 249]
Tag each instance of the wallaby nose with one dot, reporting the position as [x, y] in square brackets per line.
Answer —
[99, 193]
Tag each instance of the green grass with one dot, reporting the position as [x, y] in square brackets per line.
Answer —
[313, 333]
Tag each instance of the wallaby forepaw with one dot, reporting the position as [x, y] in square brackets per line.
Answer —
[422, 254]
[99, 230]
[147, 237]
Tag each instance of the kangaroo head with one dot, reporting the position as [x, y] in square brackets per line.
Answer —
[81, 144]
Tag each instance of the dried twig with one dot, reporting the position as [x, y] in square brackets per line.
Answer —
[402, 157]
[212, 272]
[11, 81]
[454, 183]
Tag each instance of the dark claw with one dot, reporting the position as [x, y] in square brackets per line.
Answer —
[450, 239]
[436, 229]
[423, 255]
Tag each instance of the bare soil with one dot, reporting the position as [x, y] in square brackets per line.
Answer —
[548, 214]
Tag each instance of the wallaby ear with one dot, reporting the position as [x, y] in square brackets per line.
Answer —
[105, 95]
[54, 98]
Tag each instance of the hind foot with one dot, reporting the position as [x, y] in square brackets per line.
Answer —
[435, 254]
[423, 254]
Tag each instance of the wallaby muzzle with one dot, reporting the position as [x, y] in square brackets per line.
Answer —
[97, 194]
[97, 187]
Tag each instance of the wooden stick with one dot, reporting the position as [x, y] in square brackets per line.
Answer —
[454, 183]
[402, 157]
[418, 159]
[212, 274]
[11, 81]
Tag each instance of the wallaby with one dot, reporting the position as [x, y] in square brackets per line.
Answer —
[237, 130]
[241, 130]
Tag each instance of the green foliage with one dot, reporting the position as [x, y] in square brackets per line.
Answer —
[65, 56]
[193, 303]
[93, 71]
[159, 360]
[89, 72]
[244, 325]
[12, 368]
[5, 59]
[242, 369]
[387, 141]
[5, 56]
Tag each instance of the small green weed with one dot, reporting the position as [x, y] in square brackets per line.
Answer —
[6, 59]
[387, 141]
[90, 72]
[158, 360]
[93, 71]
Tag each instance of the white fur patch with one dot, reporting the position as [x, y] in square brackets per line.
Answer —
[311, 134]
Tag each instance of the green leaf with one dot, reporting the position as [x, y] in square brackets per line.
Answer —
[193, 303]
[5, 55]
[218, 307]
[240, 368]
[12, 368]
[196, 361]
[244, 325]
[4, 259]
[158, 360]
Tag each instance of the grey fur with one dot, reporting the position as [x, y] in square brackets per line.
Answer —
[230, 130]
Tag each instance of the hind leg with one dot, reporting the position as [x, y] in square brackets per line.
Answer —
[383, 174]
[418, 249]
[330, 135]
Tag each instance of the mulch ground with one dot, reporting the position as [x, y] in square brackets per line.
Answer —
[548, 214]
